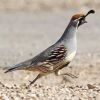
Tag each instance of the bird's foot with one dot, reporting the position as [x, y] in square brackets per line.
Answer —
[69, 74]
[32, 82]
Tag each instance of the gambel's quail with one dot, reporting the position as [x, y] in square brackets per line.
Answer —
[57, 56]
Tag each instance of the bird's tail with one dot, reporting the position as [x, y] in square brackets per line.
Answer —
[11, 69]
[20, 66]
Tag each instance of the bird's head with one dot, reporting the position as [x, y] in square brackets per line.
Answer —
[79, 19]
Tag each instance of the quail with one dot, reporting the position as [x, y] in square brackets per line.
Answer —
[57, 56]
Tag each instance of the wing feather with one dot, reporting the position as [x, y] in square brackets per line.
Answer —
[52, 56]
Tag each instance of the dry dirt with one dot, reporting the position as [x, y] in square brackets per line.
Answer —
[25, 34]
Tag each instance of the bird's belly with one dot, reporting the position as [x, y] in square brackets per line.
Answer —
[70, 56]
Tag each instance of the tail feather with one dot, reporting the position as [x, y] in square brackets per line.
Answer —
[11, 69]
[19, 66]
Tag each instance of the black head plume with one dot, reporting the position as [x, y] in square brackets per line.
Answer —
[90, 12]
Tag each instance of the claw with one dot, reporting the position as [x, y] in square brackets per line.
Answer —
[32, 82]
[71, 75]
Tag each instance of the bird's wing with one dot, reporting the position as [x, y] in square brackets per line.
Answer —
[51, 55]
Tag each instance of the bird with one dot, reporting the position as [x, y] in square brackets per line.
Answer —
[58, 55]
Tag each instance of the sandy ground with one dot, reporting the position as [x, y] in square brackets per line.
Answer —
[25, 34]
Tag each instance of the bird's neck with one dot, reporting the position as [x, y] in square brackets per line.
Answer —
[69, 33]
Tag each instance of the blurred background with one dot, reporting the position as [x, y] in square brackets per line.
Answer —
[29, 26]
[26, 24]
[40, 5]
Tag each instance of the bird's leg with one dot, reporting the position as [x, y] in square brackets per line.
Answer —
[57, 73]
[38, 76]
[68, 74]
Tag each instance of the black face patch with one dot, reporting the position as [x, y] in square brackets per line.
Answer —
[81, 21]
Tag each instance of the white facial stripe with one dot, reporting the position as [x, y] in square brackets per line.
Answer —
[78, 22]
[78, 19]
